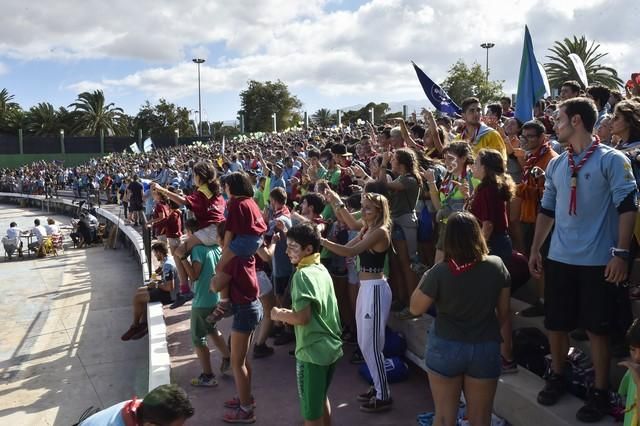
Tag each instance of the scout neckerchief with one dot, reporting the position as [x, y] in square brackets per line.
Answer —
[534, 158]
[459, 269]
[573, 202]
[475, 135]
[312, 259]
[204, 188]
[129, 412]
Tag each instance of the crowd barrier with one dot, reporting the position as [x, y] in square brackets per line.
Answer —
[159, 361]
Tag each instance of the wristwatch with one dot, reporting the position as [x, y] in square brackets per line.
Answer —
[621, 253]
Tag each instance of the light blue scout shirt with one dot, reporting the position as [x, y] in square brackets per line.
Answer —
[604, 182]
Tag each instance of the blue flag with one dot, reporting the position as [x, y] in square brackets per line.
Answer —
[436, 95]
[530, 82]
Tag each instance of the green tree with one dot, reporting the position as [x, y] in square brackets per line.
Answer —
[324, 118]
[379, 111]
[11, 115]
[163, 119]
[260, 100]
[463, 81]
[560, 68]
[93, 114]
[43, 119]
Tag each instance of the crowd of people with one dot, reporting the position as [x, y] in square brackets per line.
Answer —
[318, 236]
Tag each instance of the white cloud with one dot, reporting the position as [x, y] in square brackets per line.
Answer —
[364, 52]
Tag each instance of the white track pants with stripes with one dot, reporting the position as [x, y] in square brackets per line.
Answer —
[372, 312]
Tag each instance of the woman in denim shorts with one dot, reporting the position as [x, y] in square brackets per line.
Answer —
[471, 291]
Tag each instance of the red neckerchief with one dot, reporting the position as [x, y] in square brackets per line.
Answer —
[534, 158]
[129, 412]
[459, 269]
[573, 202]
[284, 211]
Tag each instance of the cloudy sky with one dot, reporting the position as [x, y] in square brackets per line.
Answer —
[331, 53]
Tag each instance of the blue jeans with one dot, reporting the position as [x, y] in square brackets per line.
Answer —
[246, 317]
[500, 245]
[245, 245]
[451, 358]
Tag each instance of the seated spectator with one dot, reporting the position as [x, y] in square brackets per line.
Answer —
[51, 227]
[155, 291]
[40, 233]
[165, 405]
[12, 241]
[82, 233]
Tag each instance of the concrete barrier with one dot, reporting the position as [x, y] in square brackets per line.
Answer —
[159, 361]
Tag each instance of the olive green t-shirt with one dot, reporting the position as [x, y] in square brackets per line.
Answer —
[466, 302]
[319, 341]
[404, 202]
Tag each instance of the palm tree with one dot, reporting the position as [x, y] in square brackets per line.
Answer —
[10, 112]
[323, 117]
[94, 114]
[560, 68]
[42, 119]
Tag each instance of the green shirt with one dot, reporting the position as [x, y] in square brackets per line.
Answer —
[319, 341]
[208, 257]
[466, 302]
[628, 388]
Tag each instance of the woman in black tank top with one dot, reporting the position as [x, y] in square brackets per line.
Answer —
[374, 296]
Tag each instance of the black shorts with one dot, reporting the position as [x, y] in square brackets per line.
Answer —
[281, 285]
[528, 231]
[158, 295]
[578, 296]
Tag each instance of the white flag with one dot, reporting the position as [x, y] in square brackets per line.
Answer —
[579, 66]
[147, 145]
[134, 147]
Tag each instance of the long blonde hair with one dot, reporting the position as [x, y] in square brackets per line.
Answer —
[380, 201]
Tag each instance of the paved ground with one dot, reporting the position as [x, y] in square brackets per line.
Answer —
[275, 389]
[60, 348]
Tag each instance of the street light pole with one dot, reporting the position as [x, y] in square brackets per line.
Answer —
[487, 46]
[199, 61]
[275, 127]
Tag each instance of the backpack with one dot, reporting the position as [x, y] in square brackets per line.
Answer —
[395, 344]
[530, 346]
[397, 370]
[425, 225]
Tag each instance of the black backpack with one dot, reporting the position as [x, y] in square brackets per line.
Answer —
[530, 346]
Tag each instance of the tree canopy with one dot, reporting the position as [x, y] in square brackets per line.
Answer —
[261, 99]
[163, 119]
[463, 81]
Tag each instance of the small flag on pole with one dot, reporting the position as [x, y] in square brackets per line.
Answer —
[134, 147]
[147, 145]
[437, 96]
[530, 81]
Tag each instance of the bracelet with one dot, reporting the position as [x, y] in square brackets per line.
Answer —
[431, 182]
[339, 206]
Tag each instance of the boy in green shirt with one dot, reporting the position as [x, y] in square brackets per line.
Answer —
[629, 384]
[316, 322]
[201, 270]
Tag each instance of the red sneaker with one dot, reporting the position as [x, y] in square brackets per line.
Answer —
[234, 403]
[239, 415]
